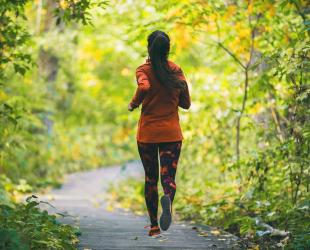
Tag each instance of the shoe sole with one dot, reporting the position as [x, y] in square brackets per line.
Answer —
[165, 218]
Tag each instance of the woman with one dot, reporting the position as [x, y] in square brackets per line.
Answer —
[162, 87]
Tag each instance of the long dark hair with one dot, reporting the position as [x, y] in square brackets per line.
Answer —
[158, 48]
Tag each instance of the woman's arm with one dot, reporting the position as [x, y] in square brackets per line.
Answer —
[142, 89]
[184, 98]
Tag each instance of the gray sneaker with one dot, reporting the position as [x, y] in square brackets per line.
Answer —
[165, 218]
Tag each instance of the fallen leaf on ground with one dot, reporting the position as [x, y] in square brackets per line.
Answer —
[254, 248]
[215, 232]
[203, 234]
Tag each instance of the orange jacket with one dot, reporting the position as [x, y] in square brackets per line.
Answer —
[159, 120]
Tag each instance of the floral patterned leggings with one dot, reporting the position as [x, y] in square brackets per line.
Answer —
[169, 153]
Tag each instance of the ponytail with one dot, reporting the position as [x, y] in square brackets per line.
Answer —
[159, 47]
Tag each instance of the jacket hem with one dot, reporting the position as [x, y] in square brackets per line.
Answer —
[159, 141]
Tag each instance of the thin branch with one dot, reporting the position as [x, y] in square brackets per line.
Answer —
[245, 96]
[225, 48]
[245, 91]
[232, 55]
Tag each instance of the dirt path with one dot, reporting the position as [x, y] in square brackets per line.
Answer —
[83, 197]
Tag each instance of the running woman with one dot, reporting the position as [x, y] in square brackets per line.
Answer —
[162, 88]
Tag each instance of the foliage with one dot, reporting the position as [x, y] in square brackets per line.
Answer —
[25, 226]
[24, 128]
[65, 88]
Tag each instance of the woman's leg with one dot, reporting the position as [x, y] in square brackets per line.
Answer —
[149, 156]
[169, 153]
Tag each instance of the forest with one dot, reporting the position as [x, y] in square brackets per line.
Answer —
[67, 74]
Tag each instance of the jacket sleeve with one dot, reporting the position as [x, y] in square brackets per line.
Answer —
[142, 88]
[184, 98]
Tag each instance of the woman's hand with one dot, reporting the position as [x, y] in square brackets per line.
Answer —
[130, 108]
